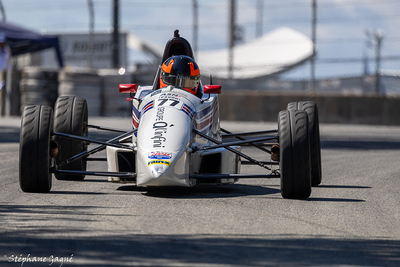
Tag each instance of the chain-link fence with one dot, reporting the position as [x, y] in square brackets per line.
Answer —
[355, 39]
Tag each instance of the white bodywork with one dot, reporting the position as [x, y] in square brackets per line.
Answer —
[165, 146]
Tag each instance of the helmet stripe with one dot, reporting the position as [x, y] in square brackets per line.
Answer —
[193, 72]
[168, 68]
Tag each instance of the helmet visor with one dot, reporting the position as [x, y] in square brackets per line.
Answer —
[180, 81]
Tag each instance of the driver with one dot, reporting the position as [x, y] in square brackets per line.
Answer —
[180, 71]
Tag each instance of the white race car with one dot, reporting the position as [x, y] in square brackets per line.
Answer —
[176, 140]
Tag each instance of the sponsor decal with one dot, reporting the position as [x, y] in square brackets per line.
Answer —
[160, 129]
[160, 114]
[159, 155]
[171, 96]
[163, 162]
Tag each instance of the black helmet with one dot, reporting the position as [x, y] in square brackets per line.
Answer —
[180, 71]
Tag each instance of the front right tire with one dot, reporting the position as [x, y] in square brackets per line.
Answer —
[71, 117]
[34, 150]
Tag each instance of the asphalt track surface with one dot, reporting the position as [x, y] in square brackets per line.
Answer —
[351, 219]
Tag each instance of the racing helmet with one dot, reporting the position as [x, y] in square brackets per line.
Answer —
[180, 71]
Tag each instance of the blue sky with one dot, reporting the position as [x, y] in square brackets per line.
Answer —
[340, 32]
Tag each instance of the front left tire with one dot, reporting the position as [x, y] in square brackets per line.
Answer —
[294, 154]
[315, 144]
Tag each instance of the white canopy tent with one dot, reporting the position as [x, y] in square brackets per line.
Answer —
[274, 52]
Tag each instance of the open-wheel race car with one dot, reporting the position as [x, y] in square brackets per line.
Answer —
[176, 139]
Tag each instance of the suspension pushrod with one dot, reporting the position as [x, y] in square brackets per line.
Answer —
[230, 134]
[100, 159]
[233, 176]
[80, 138]
[115, 174]
[241, 138]
[255, 140]
[96, 149]
[107, 128]
[243, 162]
[232, 150]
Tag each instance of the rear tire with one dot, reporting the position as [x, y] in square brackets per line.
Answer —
[294, 154]
[34, 150]
[315, 144]
[71, 117]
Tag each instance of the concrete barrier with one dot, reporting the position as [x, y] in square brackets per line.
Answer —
[101, 92]
[265, 106]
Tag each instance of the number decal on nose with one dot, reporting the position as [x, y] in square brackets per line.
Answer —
[163, 102]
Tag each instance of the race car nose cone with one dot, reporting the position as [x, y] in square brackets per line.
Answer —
[158, 167]
[158, 170]
[168, 171]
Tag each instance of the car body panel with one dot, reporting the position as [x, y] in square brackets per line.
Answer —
[164, 143]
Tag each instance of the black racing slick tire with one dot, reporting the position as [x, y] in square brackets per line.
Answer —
[34, 149]
[294, 154]
[70, 117]
[315, 144]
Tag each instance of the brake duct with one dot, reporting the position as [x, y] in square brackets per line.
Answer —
[53, 149]
[275, 153]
